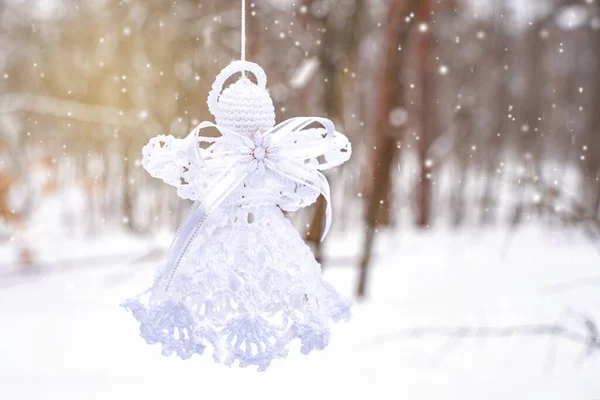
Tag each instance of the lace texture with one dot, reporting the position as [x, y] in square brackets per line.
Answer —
[245, 295]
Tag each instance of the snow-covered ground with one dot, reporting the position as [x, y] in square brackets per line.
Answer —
[63, 335]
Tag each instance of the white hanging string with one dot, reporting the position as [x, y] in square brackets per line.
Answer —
[243, 29]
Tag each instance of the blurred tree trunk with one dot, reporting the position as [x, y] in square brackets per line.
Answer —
[333, 103]
[253, 34]
[385, 139]
[129, 186]
[333, 60]
[594, 129]
[529, 117]
[464, 126]
[424, 51]
[495, 136]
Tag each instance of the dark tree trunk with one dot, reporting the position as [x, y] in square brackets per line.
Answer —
[385, 139]
[424, 51]
[332, 60]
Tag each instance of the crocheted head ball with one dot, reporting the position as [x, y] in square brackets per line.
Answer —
[245, 107]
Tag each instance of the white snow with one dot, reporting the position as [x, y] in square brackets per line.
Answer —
[63, 335]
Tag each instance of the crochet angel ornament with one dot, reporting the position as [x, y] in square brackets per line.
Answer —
[238, 278]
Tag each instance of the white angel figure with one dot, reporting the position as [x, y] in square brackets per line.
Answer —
[238, 277]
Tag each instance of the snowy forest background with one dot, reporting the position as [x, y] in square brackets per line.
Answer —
[466, 225]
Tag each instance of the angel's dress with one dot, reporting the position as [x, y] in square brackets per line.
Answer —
[249, 285]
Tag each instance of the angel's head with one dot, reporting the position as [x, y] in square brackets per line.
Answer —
[243, 106]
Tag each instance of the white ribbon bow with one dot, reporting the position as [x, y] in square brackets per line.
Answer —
[266, 151]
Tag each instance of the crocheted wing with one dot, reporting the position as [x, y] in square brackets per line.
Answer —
[177, 163]
[333, 151]
[325, 153]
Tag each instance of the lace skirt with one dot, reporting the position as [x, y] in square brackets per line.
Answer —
[244, 290]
